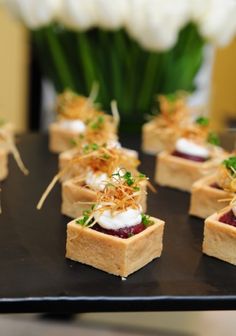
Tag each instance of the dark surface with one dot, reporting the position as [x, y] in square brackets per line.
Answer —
[36, 277]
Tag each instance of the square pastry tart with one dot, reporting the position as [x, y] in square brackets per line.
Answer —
[78, 118]
[194, 156]
[164, 129]
[212, 193]
[207, 197]
[220, 236]
[115, 235]
[113, 254]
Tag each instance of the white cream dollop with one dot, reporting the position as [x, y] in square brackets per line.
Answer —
[75, 125]
[189, 147]
[96, 180]
[113, 144]
[118, 220]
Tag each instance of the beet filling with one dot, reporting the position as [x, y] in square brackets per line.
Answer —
[215, 185]
[188, 157]
[228, 218]
[122, 233]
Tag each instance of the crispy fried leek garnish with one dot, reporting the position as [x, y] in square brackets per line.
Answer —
[97, 158]
[100, 129]
[200, 132]
[70, 105]
[226, 175]
[7, 141]
[115, 113]
[173, 110]
[122, 191]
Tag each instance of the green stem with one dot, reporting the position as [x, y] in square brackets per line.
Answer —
[148, 85]
[59, 59]
[85, 55]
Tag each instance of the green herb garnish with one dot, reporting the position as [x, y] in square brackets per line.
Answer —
[106, 156]
[72, 142]
[202, 121]
[94, 147]
[146, 220]
[128, 178]
[213, 139]
[141, 175]
[90, 148]
[230, 164]
[172, 97]
[136, 188]
[83, 221]
[98, 123]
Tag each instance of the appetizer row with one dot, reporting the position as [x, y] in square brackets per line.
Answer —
[102, 190]
[191, 159]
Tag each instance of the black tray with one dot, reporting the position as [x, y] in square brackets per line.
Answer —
[36, 277]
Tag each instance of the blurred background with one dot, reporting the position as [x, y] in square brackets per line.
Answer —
[21, 78]
[27, 100]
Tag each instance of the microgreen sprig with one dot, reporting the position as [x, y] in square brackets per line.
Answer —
[84, 221]
[230, 164]
[98, 123]
[213, 139]
[90, 148]
[202, 121]
[146, 220]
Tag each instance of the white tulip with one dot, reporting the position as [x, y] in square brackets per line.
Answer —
[111, 14]
[34, 13]
[156, 23]
[216, 19]
[78, 14]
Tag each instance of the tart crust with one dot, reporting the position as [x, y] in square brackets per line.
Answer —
[219, 239]
[74, 192]
[175, 172]
[205, 199]
[113, 254]
[154, 140]
[3, 163]
[60, 139]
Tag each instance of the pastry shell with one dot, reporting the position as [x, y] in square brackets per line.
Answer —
[205, 200]
[113, 254]
[155, 140]
[74, 192]
[179, 173]
[219, 239]
[3, 163]
[60, 139]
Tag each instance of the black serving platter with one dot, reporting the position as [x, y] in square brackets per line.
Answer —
[36, 277]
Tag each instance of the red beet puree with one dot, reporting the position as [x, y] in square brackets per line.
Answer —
[188, 157]
[122, 233]
[228, 218]
[215, 185]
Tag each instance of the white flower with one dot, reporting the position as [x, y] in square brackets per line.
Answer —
[34, 13]
[156, 23]
[111, 14]
[78, 14]
[216, 19]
